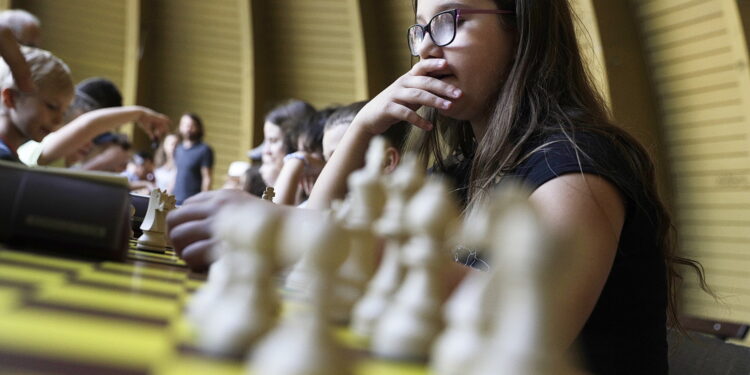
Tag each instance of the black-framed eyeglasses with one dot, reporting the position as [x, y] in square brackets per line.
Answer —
[442, 27]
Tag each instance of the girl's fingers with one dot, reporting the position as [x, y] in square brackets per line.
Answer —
[433, 85]
[403, 113]
[423, 67]
[414, 98]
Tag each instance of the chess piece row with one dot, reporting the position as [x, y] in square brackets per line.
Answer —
[495, 320]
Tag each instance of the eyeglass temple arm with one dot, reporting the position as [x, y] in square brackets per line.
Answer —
[483, 11]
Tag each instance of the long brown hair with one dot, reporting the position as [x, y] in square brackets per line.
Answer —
[548, 91]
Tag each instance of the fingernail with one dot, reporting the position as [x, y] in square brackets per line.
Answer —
[445, 104]
[456, 93]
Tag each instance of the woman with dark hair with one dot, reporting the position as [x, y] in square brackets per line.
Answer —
[280, 132]
[193, 158]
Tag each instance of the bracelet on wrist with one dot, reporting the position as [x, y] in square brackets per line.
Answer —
[295, 155]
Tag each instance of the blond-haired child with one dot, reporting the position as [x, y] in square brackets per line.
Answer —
[96, 109]
[25, 115]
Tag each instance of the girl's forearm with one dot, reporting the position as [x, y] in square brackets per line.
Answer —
[349, 156]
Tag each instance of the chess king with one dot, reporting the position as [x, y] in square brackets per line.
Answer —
[154, 225]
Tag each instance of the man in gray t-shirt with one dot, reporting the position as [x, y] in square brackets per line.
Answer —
[193, 158]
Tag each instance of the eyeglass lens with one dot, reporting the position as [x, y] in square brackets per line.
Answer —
[442, 29]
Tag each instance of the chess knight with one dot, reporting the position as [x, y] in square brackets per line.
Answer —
[154, 225]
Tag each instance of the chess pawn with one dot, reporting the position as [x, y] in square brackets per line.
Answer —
[401, 186]
[268, 194]
[247, 306]
[412, 321]
[202, 303]
[302, 343]
[468, 315]
[154, 225]
[365, 205]
[218, 281]
[314, 257]
[524, 338]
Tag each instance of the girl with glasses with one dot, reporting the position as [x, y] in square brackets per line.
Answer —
[501, 84]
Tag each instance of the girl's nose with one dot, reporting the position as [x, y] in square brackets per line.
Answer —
[427, 48]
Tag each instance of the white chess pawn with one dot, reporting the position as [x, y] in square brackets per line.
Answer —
[202, 303]
[412, 321]
[154, 224]
[314, 256]
[364, 206]
[243, 301]
[302, 343]
[468, 316]
[524, 339]
[401, 186]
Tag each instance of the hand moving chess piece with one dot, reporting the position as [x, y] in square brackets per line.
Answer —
[239, 303]
[302, 343]
[401, 186]
[154, 225]
[412, 321]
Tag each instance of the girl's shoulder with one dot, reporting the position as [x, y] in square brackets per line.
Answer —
[558, 153]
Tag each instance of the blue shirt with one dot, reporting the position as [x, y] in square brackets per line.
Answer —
[189, 162]
[6, 153]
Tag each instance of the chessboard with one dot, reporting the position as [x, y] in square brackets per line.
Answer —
[62, 315]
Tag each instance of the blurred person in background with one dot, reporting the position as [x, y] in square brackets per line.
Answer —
[140, 173]
[236, 175]
[279, 136]
[166, 170]
[25, 27]
[193, 158]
